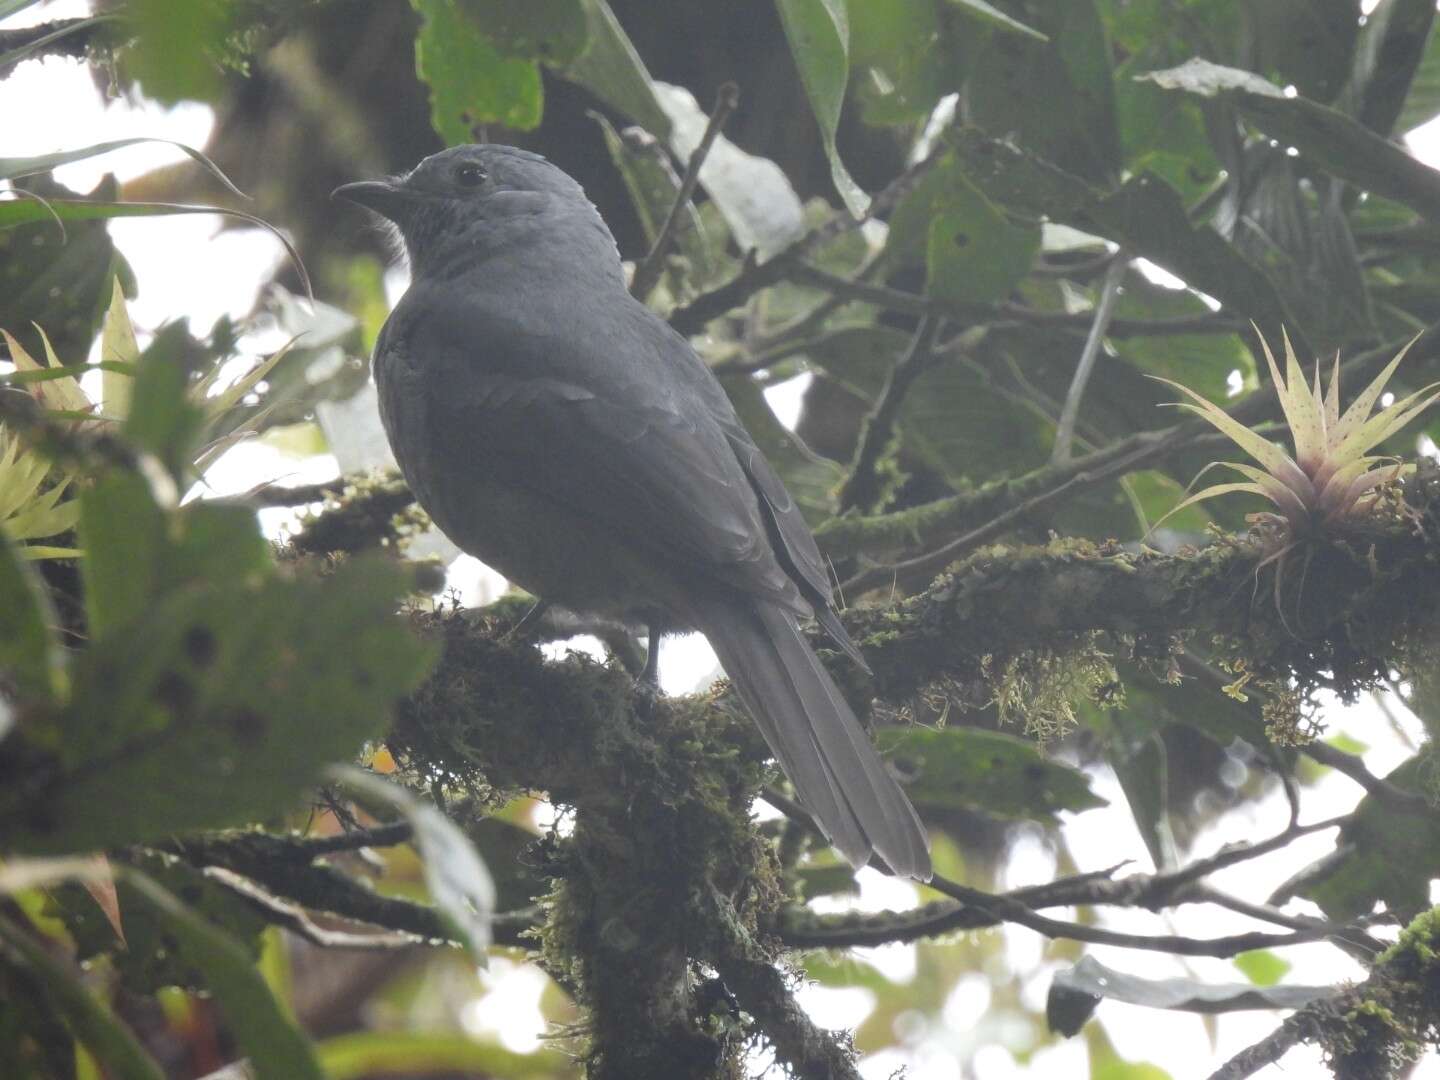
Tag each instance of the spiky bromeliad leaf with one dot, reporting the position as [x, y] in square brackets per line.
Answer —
[1331, 477]
[30, 489]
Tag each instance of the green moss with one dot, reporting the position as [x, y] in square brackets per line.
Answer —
[371, 511]
[1419, 942]
[1038, 689]
[661, 790]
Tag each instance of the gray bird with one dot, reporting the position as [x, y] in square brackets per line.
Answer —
[559, 431]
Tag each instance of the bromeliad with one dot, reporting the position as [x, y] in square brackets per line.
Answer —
[1332, 478]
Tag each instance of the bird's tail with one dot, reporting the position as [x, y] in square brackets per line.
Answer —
[815, 736]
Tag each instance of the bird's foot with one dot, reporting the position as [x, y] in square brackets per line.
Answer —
[528, 623]
[650, 676]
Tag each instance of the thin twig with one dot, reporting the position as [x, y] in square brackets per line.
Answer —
[292, 917]
[1351, 939]
[931, 563]
[1265, 1052]
[862, 488]
[691, 318]
[1009, 910]
[306, 848]
[648, 272]
[799, 928]
[274, 494]
[324, 888]
[1230, 855]
[1104, 311]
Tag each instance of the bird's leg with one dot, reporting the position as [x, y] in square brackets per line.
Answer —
[651, 675]
[529, 621]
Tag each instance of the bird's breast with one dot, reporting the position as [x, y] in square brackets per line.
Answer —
[483, 504]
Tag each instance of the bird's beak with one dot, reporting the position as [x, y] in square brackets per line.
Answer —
[383, 196]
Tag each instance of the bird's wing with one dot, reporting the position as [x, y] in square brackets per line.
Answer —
[554, 414]
[792, 541]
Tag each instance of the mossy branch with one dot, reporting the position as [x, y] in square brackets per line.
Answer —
[1373, 1031]
[1341, 613]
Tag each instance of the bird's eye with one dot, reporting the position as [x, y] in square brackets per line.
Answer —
[469, 176]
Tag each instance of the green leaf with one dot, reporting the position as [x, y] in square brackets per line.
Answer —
[13, 7]
[1161, 132]
[819, 36]
[972, 251]
[28, 651]
[653, 185]
[992, 15]
[1145, 216]
[1324, 136]
[986, 771]
[25, 211]
[1380, 854]
[901, 59]
[1310, 43]
[1387, 57]
[1136, 752]
[117, 346]
[471, 83]
[58, 279]
[146, 960]
[177, 47]
[612, 70]
[162, 420]
[272, 1042]
[1203, 362]
[124, 533]
[458, 880]
[835, 880]
[551, 31]
[1193, 704]
[10, 168]
[952, 420]
[1055, 97]
[92, 1022]
[1262, 967]
[372, 1053]
[219, 704]
[1422, 102]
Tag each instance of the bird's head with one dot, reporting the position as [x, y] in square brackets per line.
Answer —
[468, 201]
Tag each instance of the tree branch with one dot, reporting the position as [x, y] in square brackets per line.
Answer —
[863, 488]
[960, 523]
[1007, 909]
[648, 272]
[63, 37]
[1353, 766]
[1371, 1031]
[691, 318]
[1085, 367]
[283, 868]
[750, 974]
[802, 928]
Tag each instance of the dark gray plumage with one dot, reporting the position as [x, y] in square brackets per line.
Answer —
[559, 431]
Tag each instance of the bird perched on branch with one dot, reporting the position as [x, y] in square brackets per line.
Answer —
[558, 430]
